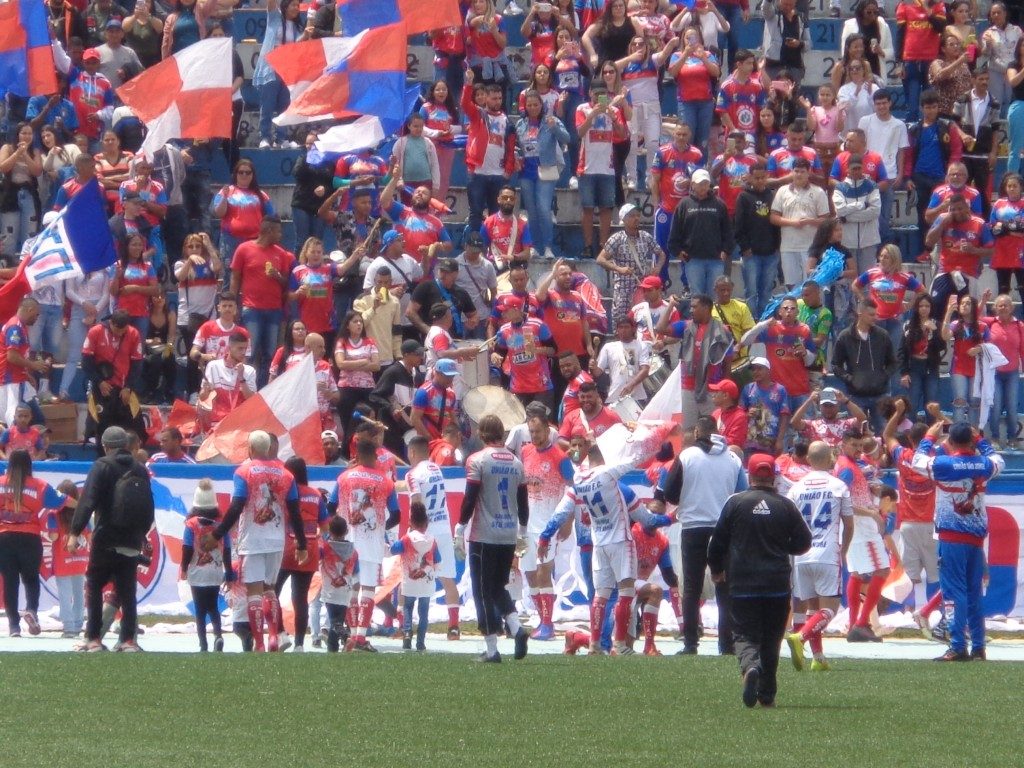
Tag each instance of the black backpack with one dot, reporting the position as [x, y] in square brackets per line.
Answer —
[132, 505]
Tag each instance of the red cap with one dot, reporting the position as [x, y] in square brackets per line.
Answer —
[761, 465]
[650, 282]
[510, 301]
[728, 386]
[91, 53]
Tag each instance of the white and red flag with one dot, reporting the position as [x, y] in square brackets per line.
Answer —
[286, 407]
[185, 96]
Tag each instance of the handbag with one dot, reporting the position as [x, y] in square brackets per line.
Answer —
[548, 173]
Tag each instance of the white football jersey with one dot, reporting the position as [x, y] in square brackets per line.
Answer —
[597, 491]
[822, 500]
[427, 481]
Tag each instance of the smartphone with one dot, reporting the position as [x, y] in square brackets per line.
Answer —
[603, 100]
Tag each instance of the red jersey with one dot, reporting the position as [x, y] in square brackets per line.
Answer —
[920, 40]
[64, 563]
[874, 166]
[742, 102]
[13, 439]
[571, 398]
[954, 239]
[480, 40]
[852, 473]
[313, 510]
[790, 472]
[963, 342]
[888, 291]
[787, 359]
[27, 516]
[316, 303]
[418, 229]
[365, 496]
[693, 81]
[442, 453]
[438, 407]
[579, 421]
[259, 290]
[652, 551]
[732, 178]
[13, 337]
[564, 313]
[1009, 248]
[528, 371]
[139, 274]
[829, 432]
[212, 338]
[674, 167]
[917, 492]
[104, 347]
[732, 425]
[497, 234]
[780, 162]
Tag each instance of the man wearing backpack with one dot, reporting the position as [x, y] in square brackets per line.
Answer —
[118, 492]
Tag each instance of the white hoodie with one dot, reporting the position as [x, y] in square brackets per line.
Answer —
[708, 480]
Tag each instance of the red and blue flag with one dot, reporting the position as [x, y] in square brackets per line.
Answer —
[26, 60]
[417, 15]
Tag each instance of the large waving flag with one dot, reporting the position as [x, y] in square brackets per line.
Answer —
[186, 96]
[367, 79]
[417, 15]
[26, 59]
[286, 407]
[299, 65]
[78, 241]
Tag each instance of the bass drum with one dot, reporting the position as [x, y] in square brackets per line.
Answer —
[657, 375]
[488, 399]
[475, 372]
[629, 410]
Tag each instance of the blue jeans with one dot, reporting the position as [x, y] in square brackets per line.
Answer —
[538, 200]
[961, 570]
[924, 387]
[870, 407]
[885, 217]
[734, 15]
[45, 334]
[140, 324]
[697, 115]
[228, 244]
[422, 607]
[1015, 127]
[964, 405]
[76, 338]
[1005, 400]
[306, 225]
[915, 75]
[572, 157]
[894, 327]
[759, 273]
[71, 593]
[274, 100]
[483, 193]
[702, 273]
[196, 196]
[264, 326]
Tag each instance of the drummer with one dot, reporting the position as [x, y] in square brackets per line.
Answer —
[478, 278]
[626, 361]
[523, 348]
[442, 289]
[434, 404]
[439, 343]
[519, 284]
[648, 312]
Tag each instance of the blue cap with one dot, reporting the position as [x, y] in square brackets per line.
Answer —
[447, 367]
[389, 237]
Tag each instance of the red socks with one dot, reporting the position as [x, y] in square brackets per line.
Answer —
[272, 615]
[453, 616]
[853, 598]
[597, 612]
[649, 621]
[871, 598]
[816, 624]
[623, 615]
[546, 606]
[932, 605]
[255, 610]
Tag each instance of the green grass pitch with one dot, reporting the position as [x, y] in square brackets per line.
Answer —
[155, 710]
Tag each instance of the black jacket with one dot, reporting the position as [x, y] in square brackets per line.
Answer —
[701, 228]
[307, 178]
[864, 366]
[757, 534]
[934, 352]
[97, 498]
[752, 222]
[984, 132]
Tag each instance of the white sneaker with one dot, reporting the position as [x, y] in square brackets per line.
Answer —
[264, 144]
[298, 649]
[574, 183]
[549, 254]
[513, 10]
[289, 145]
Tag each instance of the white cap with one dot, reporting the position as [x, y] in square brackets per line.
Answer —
[700, 176]
[762, 361]
[627, 209]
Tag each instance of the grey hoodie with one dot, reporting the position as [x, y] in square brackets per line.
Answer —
[701, 479]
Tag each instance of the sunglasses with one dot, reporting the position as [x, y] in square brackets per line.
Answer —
[244, 173]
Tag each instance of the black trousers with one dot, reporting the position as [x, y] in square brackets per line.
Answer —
[489, 569]
[205, 601]
[942, 288]
[978, 176]
[106, 565]
[924, 186]
[300, 601]
[694, 546]
[21, 554]
[335, 626]
[760, 626]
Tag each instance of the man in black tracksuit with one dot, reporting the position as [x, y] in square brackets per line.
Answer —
[758, 239]
[757, 534]
[864, 359]
[701, 235]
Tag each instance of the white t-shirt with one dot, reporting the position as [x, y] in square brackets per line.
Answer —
[403, 264]
[596, 144]
[886, 138]
[822, 500]
[621, 361]
[793, 203]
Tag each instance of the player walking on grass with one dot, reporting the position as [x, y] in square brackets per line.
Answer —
[264, 492]
[365, 496]
[612, 508]
[495, 510]
[426, 485]
[757, 534]
[824, 502]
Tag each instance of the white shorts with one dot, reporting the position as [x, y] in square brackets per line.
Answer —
[331, 595]
[261, 567]
[529, 560]
[816, 580]
[13, 395]
[369, 574]
[867, 556]
[613, 563]
[446, 548]
[920, 551]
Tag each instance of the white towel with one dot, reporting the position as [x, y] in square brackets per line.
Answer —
[984, 385]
